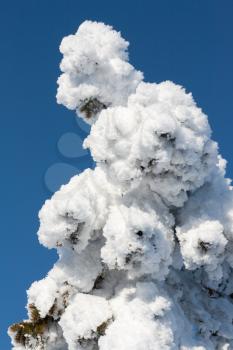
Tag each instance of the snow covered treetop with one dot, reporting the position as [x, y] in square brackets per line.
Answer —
[145, 239]
[144, 128]
[96, 70]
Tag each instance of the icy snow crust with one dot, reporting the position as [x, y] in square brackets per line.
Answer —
[145, 239]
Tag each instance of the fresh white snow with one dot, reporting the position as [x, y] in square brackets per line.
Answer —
[145, 239]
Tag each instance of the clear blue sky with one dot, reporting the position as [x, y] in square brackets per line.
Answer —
[187, 41]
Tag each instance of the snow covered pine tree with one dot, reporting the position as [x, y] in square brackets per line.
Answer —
[145, 240]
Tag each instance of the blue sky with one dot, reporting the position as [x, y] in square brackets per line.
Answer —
[187, 41]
